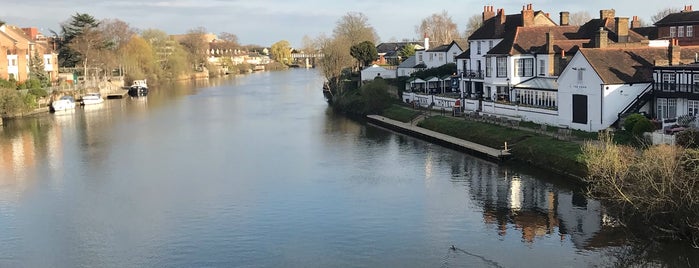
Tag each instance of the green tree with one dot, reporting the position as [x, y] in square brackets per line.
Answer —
[77, 24]
[281, 52]
[10, 101]
[36, 70]
[407, 51]
[364, 53]
[140, 60]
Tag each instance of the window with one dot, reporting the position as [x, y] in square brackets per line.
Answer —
[490, 45]
[478, 50]
[501, 66]
[542, 67]
[431, 56]
[441, 57]
[525, 67]
[419, 57]
[580, 75]
[48, 61]
[693, 107]
[667, 108]
[680, 31]
[672, 32]
[453, 57]
[690, 31]
[669, 80]
[488, 67]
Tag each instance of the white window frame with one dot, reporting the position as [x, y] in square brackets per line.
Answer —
[542, 67]
[501, 66]
[680, 31]
[478, 47]
[672, 31]
[693, 107]
[666, 108]
[690, 31]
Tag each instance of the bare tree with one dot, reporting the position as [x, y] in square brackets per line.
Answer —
[663, 13]
[195, 43]
[579, 18]
[117, 34]
[308, 45]
[354, 28]
[89, 44]
[335, 58]
[439, 27]
[474, 22]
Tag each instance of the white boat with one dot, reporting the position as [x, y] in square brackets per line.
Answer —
[138, 88]
[92, 98]
[62, 104]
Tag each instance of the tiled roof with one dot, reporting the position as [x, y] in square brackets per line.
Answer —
[590, 28]
[408, 63]
[444, 48]
[533, 39]
[487, 31]
[394, 46]
[629, 65]
[465, 55]
[649, 32]
[680, 18]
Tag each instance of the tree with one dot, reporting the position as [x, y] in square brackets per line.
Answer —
[88, 45]
[37, 71]
[281, 52]
[474, 22]
[663, 13]
[364, 52]
[439, 27]
[139, 59]
[196, 45]
[117, 34]
[308, 45]
[229, 38]
[79, 23]
[335, 59]
[354, 28]
[407, 51]
[579, 18]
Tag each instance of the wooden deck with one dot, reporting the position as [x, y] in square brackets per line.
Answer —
[116, 94]
[447, 140]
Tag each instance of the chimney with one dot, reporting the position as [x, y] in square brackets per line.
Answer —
[527, 16]
[565, 18]
[488, 13]
[427, 42]
[500, 22]
[601, 38]
[687, 9]
[674, 52]
[549, 43]
[621, 27]
[606, 14]
[635, 23]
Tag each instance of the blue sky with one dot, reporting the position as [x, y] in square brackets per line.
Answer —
[264, 22]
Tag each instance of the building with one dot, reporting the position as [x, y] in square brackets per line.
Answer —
[389, 53]
[19, 47]
[681, 26]
[438, 56]
[375, 71]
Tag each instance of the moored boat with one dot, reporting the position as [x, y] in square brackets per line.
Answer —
[62, 104]
[92, 98]
[139, 88]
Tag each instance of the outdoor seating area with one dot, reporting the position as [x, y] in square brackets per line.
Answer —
[561, 133]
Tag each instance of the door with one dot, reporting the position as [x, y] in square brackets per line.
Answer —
[580, 109]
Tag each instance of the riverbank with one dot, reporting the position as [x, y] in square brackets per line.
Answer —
[541, 149]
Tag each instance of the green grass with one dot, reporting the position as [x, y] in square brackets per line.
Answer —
[397, 112]
[540, 150]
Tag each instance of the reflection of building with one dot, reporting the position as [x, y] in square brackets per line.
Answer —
[532, 207]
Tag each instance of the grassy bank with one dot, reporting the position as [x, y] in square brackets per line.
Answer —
[537, 149]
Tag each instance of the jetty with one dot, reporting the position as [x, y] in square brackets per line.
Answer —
[443, 139]
[116, 93]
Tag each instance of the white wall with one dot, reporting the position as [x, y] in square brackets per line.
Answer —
[13, 69]
[371, 73]
[48, 66]
[591, 86]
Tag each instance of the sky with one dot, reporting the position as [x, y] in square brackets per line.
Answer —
[264, 22]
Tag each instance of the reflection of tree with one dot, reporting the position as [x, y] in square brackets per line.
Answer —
[649, 254]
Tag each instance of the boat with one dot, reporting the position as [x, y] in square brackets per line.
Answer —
[139, 88]
[62, 104]
[92, 98]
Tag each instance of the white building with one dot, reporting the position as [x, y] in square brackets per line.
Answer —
[375, 71]
[438, 56]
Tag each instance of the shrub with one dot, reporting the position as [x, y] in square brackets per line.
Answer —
[10, 102]
[631, 120]
[38, 92]
[641, 126]
[688, 138]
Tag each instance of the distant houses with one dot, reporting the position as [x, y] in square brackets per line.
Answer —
[19, 48]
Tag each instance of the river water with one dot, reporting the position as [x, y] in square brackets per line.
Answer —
[257, 171]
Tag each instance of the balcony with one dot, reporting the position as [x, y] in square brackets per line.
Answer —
[676, 90]
[472, 74]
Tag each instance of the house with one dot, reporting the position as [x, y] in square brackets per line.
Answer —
[681, 25]
[438, 56]
[676, 86]
[45, 51]
[16, 49]
[389, 53]
[408, 67]
[600, 85]
[375, 71]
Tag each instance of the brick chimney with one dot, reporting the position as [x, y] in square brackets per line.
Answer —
[606, 14]
[565, 18]
[527, 16]
[549, 43]
[488, 13]
[687, 9]
[635, 23]
[621, 27]
[674, 52]
[500, 22]
[601, 38]
[427, 42]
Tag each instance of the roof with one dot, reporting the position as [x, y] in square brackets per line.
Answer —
[649, 32]
[680, 18]
[444, 48]
[630, 65]
[532, 39]
[393, 46]
[465, 55]
[590, 28]
[512, 21]
[408, 63]
[545, 83]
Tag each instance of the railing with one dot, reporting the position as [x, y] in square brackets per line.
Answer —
[473, 74]
[645, 94]
[676, 88]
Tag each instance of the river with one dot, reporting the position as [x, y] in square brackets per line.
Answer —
[257, 171]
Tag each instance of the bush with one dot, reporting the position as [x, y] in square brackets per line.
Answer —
[688, 138]
[631, 120]
[38, 92]
[641, 126]
[10, 102]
